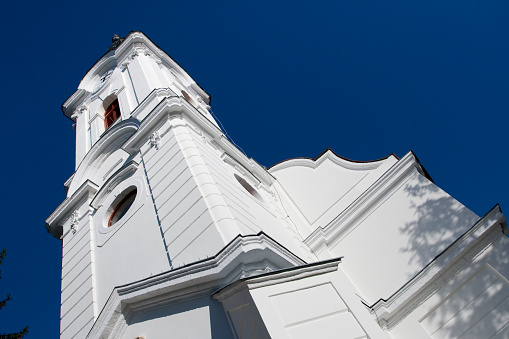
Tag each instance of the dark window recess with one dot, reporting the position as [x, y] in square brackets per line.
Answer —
[122, 208]
[112, 114]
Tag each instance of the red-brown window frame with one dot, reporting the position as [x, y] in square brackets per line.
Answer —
[130, 194]
[112, 114]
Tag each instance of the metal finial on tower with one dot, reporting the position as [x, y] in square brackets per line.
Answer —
[115, 42]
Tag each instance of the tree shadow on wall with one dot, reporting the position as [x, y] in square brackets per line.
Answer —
[479, 306]
[438, 221]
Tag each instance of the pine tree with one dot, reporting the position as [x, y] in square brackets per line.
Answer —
[24, 331]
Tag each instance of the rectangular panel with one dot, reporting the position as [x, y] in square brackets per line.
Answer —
[342, 325]
[478, 309]
[308, 303]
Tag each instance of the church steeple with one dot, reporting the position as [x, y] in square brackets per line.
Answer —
[132, 69]
[157, 185]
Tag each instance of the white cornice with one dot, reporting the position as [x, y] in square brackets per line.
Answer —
[278, 277]
[110, 141]
[64, 210]
[173, 106]
[120, 175]
[153, 98]
[135, 43]
[139, 41]
[349, 218]
[329, 155]
[69, 105]
[244, 256]
[442, 269]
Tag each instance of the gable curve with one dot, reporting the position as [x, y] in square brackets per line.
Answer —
[334, 157]
[322, 187]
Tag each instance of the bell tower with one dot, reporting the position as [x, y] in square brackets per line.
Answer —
[157, 186]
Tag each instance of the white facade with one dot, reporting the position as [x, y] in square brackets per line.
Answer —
[216, 246]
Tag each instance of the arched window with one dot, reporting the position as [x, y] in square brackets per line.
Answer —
[111, 114]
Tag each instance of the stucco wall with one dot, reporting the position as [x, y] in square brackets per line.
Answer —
[198, 318]
[400, 235]
[474, 304]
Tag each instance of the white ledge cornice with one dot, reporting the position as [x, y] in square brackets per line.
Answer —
[245, 255]
[278, 277]
[168, 106]
[69, 105]
[137, 41]
[64, 210]
[176, 105]
[349, 218]
[441, 269]
[117, 177]
[330, 155]
[135, 44]
[109, 142]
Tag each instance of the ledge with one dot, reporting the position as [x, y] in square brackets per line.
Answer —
[441, 269]
[175, 105]
[63, 211]
[332, 156]
[348, 219]
[244, 256]
[278, 277]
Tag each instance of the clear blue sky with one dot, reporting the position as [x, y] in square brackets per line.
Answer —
[287, 79]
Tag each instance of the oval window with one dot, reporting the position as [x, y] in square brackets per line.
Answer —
[248, 187]
[121, 208]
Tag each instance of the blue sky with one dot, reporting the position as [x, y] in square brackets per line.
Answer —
[287, 79]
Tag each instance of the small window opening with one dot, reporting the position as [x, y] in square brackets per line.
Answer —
[188, 98]
[248, 187]
[111, 114]
[122, 208]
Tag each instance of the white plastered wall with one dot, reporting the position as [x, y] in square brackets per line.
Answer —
[132, 249]
[186, 223]
[322, 188]
[199, 318]
[399, 235]
[78, 304]
[474, 304]
[300, 304]
[249, 213]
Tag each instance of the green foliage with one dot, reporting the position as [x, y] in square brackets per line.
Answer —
[3, 302]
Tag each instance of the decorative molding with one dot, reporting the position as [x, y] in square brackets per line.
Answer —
[134, 43]
[347, 220]
[201, 135]
[63, 211]
[75, 219]
[103, 80]
[441, 270]
[118, 162]
[113, 181]
[336, 159]
[76, 97]
[172, 107]
[278, 277]
[110, 141]
[79, 111]
[128, 60]
[67, 183]
[155, 140]
[109, 199]
[251, 254]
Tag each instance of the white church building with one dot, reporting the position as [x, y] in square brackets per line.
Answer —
[168, 230]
